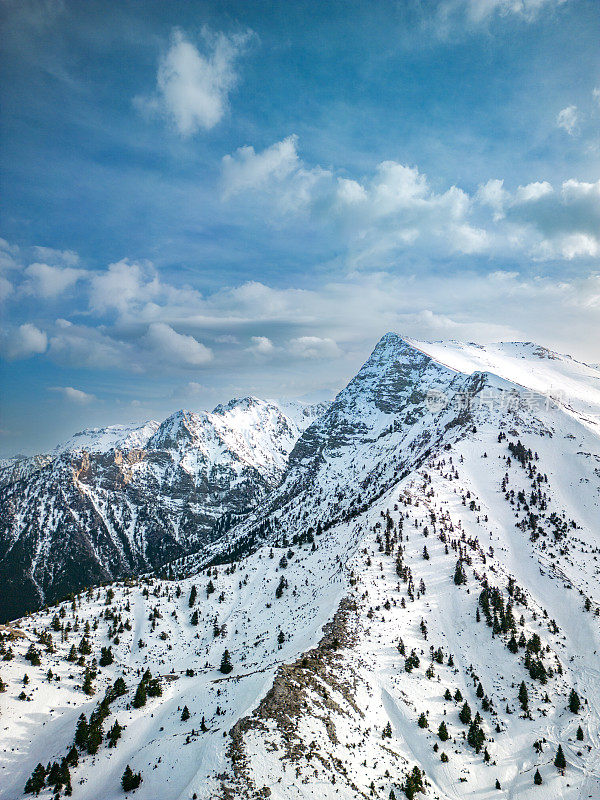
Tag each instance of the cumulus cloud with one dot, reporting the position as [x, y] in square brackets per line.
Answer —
[568, 119]
[192, 88]
[23, 342]
[49, 282]
[91, 347]
[563, 223]
[248, 169]
[74, 395]
[314, 347]
[261, 346]
[68, 258]
[278, 173]
[9, 256]
[176, 348]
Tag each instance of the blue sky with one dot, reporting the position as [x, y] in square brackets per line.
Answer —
[204, 199]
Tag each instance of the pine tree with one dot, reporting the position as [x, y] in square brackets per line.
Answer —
[81, 731]
[185, 714]
[140, 695]
[580, 734]
[537, 778]
[114, 734]
[413, 783]
[465, 714]
[94, 738]
[193, 594]
[37, 780]
[387, 731]
[88, 687]
[459, 574]
[194, 617]
[523, 696]
[498, 784]
[560, 761]
[425, 554]
[423, 721]
[130, 780]
[226, 665]
[574, 702]
[443, 732]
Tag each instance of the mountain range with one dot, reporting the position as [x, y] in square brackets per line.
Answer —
[393, 595]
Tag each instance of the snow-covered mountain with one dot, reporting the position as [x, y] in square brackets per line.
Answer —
[114, 502]
[415, 604]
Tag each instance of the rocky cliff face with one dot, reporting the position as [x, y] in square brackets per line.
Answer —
[115, 502]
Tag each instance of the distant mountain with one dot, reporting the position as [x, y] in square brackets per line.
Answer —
[116, 501]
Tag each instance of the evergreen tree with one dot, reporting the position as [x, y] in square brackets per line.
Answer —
[88, 686]
[459, 573]
[140, 695]
[226, 665]
[194, 617]
[193, 594]
[423, 721]
[425, 554]
[130, 780]
[387, 731]
[537, 778]
[580, 734]
[106, 657]
[185, 714]
[560, 762]
[413, 783]
[443, 732]
[465, 714]
[523, 696]
[36, 782]
[94, 738]
[114, 734]
[574, 702]
[498, 784]
[81, 731]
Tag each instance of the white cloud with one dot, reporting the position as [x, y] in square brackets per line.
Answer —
[49, 282]
[192, 88]
[24, 342]
[49, 255]
[532, 192]
[85, 346]
[479, 12]
[176, 348]
[314, 347]
[247, 169]
[6, 288]
[9, 256]
[73, 395]
[262, 346]
[568, 119]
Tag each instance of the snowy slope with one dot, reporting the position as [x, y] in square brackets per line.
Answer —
[384, 495]
[113, 437]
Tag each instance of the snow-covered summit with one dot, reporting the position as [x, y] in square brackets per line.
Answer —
[111, 437]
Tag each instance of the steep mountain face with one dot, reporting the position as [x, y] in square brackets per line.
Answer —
[120, 500]
[415, 606]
